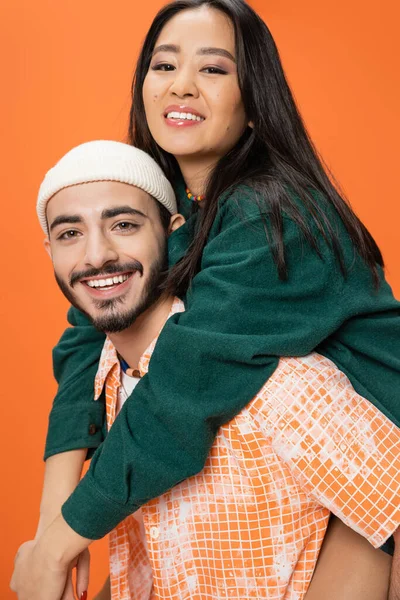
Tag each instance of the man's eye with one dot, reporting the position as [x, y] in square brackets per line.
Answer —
[163, 67]
[126, 226]
[68, 235]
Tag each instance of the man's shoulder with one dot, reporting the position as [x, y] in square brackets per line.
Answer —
[177, 307]
[108, 358]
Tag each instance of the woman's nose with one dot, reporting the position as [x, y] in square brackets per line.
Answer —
[184, 84]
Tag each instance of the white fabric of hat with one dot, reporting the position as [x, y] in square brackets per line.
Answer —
[105, 160]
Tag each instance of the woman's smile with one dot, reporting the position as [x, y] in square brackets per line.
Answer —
[182, 116]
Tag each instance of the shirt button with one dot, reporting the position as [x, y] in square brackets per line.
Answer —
[133, 373]
[154, 533]
[92, 429]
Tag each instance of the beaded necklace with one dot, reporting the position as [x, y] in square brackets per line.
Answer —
[192, 197]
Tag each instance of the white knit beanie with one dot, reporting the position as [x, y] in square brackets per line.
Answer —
[105, 161]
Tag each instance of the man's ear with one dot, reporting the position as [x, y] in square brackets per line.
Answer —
[47, 246]
[176, 221]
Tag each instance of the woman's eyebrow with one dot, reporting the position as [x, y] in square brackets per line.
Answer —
[167, 48]
[217, 51]
[201, 51]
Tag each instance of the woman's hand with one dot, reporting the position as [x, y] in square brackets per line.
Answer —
[37, 576]
[42, 567]
[82, 566]
[22, 570]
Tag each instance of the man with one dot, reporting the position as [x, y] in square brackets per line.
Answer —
[252, 522]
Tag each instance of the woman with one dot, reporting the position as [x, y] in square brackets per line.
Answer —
[272, 262]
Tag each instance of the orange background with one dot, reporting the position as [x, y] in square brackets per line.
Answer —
[65, 72]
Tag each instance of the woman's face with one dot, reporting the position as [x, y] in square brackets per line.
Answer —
[191, 93]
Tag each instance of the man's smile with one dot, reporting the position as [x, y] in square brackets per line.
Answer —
[106, 282]
[105, 286]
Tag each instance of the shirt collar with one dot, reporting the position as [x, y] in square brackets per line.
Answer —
[109, 356]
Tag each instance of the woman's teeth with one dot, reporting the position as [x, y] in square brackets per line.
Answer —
[188, 116]
[110, 281]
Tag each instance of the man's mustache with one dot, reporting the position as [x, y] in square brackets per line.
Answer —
[135, 265]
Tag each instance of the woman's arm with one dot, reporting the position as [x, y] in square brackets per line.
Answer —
[211, 360]
[76, 419]
[61, 476]
[349, 568]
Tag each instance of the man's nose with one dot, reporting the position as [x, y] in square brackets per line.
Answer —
[99, 250]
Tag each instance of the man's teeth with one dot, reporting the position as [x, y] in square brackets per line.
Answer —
[187, 116]
[98, 283]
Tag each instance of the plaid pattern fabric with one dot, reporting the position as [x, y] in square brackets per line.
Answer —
[251, 524]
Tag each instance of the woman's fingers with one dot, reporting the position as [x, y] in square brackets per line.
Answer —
[69, 589]
[82, 574]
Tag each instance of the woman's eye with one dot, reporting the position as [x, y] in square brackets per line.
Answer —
[214, 71]
[163, 67]
[68, 235]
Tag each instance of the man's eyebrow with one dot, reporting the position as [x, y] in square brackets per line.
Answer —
[107, 213]
[110, 213]
[65, 219]
[202, 51]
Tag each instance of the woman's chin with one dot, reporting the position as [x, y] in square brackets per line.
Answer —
[182, 150]
[180, 145]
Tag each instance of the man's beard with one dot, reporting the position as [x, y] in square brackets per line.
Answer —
[115, 321]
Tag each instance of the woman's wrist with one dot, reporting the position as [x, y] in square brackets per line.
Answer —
[60, 544]
[46, 518]
[62, 475]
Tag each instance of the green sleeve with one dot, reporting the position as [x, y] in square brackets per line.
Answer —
[76, 420]
[209, 362]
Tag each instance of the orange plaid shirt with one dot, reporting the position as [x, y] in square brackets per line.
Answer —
[251, 523]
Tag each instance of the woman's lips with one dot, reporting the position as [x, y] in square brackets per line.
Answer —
[182, 116]
[181, 122]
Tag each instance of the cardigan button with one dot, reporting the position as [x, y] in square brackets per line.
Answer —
[92, 429]
[154, 533]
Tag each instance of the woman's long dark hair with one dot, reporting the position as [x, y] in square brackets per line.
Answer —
[276, 157]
